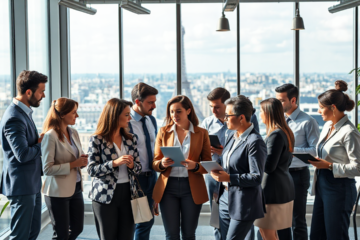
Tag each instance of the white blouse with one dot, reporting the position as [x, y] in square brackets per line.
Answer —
[123, 175]
[185, 148]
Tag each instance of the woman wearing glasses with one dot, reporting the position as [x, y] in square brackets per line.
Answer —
[338, 153]
[181, 191]
[244, 155]
[277, 183]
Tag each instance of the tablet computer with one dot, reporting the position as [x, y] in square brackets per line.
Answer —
[305, 157]
[215, 141]
[211, 166]
[175, 154]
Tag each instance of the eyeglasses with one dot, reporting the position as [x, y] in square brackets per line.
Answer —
[227, 116]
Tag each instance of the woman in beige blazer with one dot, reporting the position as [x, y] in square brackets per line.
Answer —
[62, 158]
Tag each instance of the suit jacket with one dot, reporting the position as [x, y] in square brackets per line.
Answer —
[101, 156]
[60, 180]
[246, 169]
[199, 151]
[341, 149]
[21, 173]
[277, 183]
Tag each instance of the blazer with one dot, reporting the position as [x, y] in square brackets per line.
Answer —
[277, 182]
[199, 151]
[342, 149]
[101, 156]
[21, 173]
[60, 180]
[246, 169]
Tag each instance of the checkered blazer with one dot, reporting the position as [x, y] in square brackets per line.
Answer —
[101, 156]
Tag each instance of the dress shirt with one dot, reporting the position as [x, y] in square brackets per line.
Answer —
[76, 153]
[342, 149]
[141, 143]
[185, 149]
[238, 140]
[123, 176]
[25, 108]
[215, 127]
[306, 133]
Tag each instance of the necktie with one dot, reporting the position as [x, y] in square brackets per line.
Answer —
[288, 120]
[148, 142]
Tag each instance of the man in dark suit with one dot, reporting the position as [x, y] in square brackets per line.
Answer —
[21, 174]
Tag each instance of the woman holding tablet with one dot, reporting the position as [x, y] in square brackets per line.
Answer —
[277, 184]
[181, 191]
[244, 155]
[338, 153]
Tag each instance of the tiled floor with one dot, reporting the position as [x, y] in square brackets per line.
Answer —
[157, 233]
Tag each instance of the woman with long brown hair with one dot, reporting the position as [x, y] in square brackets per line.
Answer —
[62, 158]
[277, 183]
[181, 191]
[113, 164]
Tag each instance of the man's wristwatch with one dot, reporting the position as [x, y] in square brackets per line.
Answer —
[330, 167]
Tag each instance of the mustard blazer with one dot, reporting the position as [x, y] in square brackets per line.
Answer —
[199, 151]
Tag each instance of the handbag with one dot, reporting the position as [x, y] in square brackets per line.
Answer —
[214, 217]
[140, 207]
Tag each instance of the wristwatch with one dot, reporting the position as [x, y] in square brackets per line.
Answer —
[330, 167]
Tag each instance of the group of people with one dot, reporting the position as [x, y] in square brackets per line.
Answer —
[262, 184]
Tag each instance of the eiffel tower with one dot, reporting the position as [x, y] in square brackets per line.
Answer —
[185, 84]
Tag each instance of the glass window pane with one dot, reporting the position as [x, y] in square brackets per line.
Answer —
[266, 48]
[208, 56]
[39, 50]
[94, 52]
[5, 86]
[326, 55]
[150, 53]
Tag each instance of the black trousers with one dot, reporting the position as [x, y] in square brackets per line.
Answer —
[67, 214]
[114, 221]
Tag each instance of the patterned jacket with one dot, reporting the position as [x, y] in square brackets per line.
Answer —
[101, 156]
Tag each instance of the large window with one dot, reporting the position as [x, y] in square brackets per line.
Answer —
[266, 50]
[39, 50]
[326, 53]
[150, 53]
[94, 56]
[208, 56]
[5, 86]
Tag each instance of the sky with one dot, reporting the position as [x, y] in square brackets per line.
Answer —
[266, 41]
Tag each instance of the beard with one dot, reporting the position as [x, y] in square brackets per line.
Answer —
[143, 111]
[287, 108]
[34, 102]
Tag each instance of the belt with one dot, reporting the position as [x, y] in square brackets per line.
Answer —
[297, 169]
[146, 174]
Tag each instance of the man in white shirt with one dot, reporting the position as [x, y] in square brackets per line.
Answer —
[143, 124]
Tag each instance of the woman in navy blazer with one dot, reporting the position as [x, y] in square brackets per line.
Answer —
[241, 197]
[113, 163]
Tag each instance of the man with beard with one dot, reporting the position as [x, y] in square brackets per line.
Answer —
[143, 124]
[21, 144]
[306, 132]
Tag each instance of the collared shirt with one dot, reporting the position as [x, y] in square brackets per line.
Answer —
[137, 126]
[75, 151]
[238, 140]
[306, 133]
[215, 127]
[123, 175]
[185, 149]
[25, 108]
